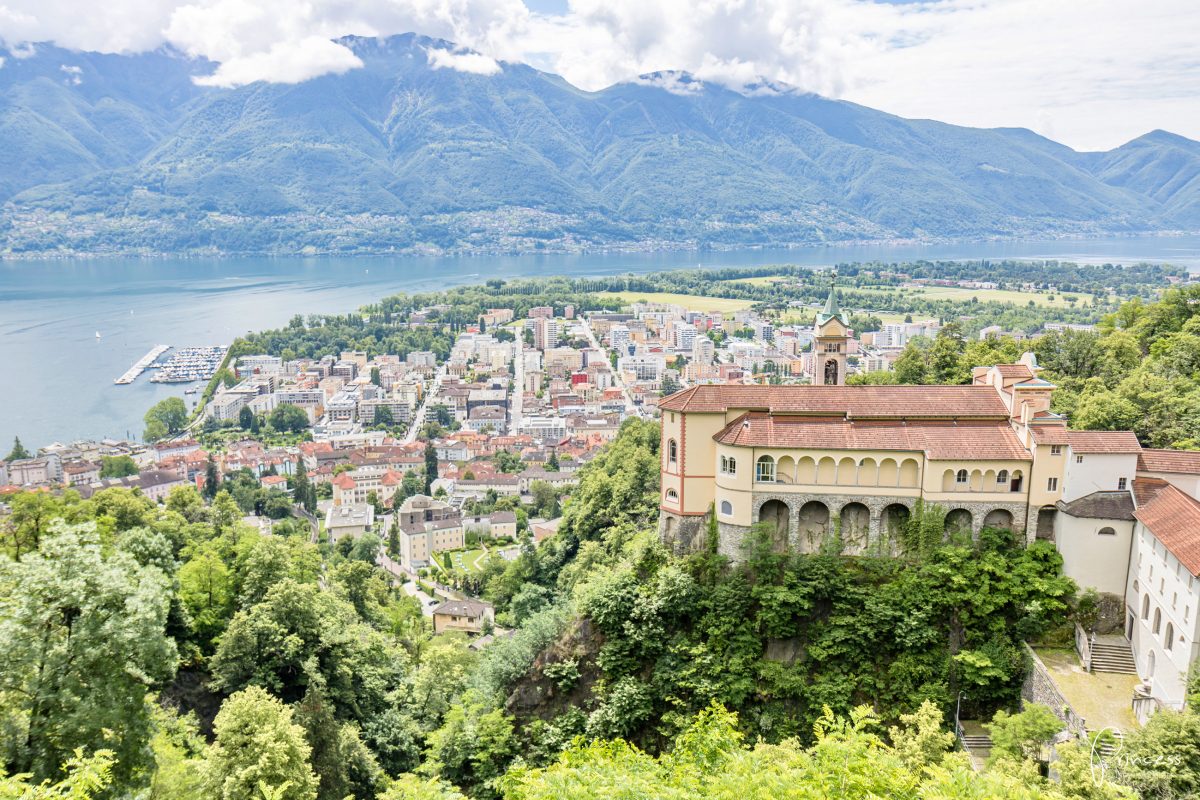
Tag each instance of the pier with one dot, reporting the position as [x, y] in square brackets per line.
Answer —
[141, 365]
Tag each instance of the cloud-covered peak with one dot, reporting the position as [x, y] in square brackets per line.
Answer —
[970, 62]
[675, 81]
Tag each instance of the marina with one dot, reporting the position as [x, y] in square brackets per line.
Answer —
[140, 365]
[190, 364]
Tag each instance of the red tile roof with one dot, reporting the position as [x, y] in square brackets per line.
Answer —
[938, 440]
[1145, 489]
[1014, 371]
[344, 481]
[1185, 462]
[1174, 519]
[1105, 442]
[887, 402]
[1049, 434]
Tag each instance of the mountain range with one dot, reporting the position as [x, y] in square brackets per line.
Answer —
[105, 153]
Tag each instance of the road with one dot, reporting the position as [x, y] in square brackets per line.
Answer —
[518, 394]
[631, 408]
[409, 584]
[418, 420]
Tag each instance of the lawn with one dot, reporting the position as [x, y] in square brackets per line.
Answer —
[961, 294]
[466, 560]
[689, 302]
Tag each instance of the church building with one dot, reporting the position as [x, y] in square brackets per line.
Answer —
[836, 468]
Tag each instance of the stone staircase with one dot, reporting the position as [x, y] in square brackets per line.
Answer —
[977, 744]
[1113, 654]
[1111, 745]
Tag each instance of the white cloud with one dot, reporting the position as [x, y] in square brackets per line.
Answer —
[1092, 73]
[74, 74]
[463, 61]
[673, 81]
[284, 62]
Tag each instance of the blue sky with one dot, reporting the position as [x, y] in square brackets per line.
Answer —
[1090, 73]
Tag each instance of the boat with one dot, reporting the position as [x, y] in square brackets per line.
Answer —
[97, 334]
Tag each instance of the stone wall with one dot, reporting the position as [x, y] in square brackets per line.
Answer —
[1039, 687]
[682, 534]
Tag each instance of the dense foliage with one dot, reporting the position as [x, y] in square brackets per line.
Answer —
[1140, 370]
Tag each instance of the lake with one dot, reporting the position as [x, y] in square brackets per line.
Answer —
[58, 383]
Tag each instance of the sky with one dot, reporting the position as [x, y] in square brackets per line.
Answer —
[1089, 73]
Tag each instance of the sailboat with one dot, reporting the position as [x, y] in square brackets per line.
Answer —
[97, 334]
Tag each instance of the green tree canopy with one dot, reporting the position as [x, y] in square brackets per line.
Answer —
[82, 639]
[258, 748]
[167, 417]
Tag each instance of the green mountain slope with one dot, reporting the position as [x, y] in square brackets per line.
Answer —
[121, 153]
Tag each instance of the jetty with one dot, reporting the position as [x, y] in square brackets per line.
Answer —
[141, 365]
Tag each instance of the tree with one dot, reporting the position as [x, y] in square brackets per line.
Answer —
[552, 462]
[383, 416]
[303, 492]
[431, 466]
[912, 366]
[507, 461]
[86, 777]
[117, 467]
[288, 418]
[165, 418]
[410, 787]
[258, 747]
[1024, 736]
[375, 377]
[212, 481]
[1162, 759]
[393, 541]
[18, 451]
[245, 418]
[82, 639]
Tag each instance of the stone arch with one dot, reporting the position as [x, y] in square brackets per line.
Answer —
[959, 520]
[1146, 606]
[814, 525]
[785, 470]
[910, 473]
[831, 372]
[855, 529]
[806, 471]
[948, 481]
[826, 471]
[670, 527]
[1157, 626]
[999, 518]
[889, 473]
[894, 518]
[1045, 522]
[1150, 665]
[847, 472]
[778, 515]
[868, 472]
[1014, 483]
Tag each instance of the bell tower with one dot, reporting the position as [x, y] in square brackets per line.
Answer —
[831, 343]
